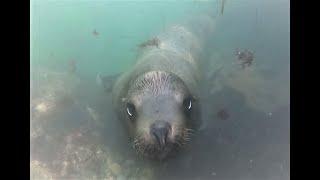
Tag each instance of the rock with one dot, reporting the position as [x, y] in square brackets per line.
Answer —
[39, 171]
[147, 174]
[121, 177]
[115, 168]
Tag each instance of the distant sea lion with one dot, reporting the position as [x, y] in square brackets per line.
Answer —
[158, 99]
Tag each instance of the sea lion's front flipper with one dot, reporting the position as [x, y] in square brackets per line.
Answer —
[107, 82]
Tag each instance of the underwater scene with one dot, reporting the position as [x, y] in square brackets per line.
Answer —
[160, 89]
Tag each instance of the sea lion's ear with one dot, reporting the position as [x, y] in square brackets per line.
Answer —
[124, 100]
[107, 82]
[194, 98]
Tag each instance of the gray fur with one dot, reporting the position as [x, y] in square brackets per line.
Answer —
[162, 77]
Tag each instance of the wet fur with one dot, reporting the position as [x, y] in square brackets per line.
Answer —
[171, 68]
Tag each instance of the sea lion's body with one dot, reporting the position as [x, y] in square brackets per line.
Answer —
[170, 70]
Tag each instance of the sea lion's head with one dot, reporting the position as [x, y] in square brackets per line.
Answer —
[159, 112]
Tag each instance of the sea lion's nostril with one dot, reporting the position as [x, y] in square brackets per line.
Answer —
[160, 130]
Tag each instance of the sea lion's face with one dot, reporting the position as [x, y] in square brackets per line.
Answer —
[158, 110]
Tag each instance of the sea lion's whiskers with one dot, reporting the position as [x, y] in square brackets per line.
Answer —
[136, 147]
[187, 139]
[144, 150]
[136, 142]
[189, 134]
[139, 150]
[182, 141]
[188, 129]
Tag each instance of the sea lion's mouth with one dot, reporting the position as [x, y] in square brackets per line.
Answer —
[154, 150]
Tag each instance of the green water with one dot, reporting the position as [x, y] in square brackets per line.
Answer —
[62, 30]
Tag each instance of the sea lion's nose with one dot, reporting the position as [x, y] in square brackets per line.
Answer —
[160, 130]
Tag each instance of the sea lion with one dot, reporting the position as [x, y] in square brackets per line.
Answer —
[158, 99]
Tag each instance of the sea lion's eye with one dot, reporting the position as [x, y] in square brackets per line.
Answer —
[187, 103]
[130, 110]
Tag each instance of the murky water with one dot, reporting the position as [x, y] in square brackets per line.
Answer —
[74, 131]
